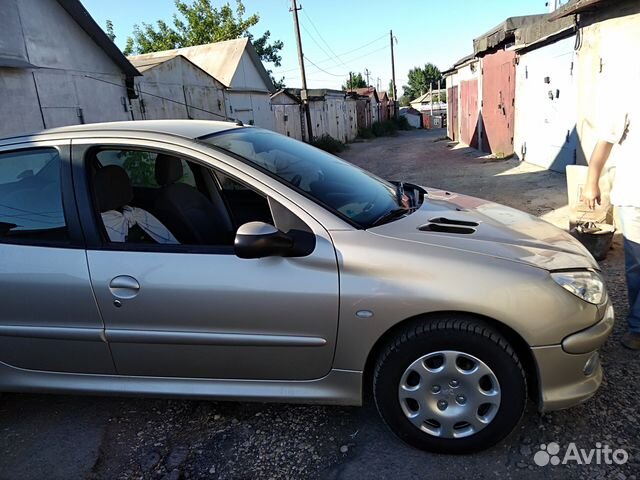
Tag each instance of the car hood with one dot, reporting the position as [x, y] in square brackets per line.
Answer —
[466, 223]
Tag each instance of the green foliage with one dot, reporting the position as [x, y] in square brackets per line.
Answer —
[390, 89]
[365, 133]
[199, 22]
[355, 81]
[388, 128]
[329, 144]
[140, 166]
[421, 80]
[402, 123]
[109, 30]
[405, 101]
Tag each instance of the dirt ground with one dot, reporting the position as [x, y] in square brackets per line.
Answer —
[55, 436]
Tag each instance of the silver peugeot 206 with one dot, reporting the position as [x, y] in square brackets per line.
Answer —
[207, 259]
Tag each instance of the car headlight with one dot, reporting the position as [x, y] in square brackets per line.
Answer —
[586, 284]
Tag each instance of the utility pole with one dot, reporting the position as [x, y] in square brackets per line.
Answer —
[367, 72]
[351, 81]
[393, 76]
[304, 93]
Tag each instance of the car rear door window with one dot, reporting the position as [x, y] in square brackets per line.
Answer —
[31, 198]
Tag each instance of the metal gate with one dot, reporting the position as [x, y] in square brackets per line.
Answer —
[498, 95]
[469, 116]
[452, 107]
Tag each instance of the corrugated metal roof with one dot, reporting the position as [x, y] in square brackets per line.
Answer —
[577, 6]
[542, 31]
[220, 60]
[75, 9]
[367, 92]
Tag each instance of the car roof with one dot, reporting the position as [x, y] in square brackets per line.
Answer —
[184, 128]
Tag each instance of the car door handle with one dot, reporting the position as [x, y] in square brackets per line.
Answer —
[124, 286]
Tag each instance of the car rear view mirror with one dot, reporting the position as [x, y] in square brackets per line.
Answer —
[259, 239]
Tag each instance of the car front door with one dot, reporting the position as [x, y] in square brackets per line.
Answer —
[199, 310]
[49, 319]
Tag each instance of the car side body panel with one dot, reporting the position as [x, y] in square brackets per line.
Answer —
[49, 318]
[417, 279]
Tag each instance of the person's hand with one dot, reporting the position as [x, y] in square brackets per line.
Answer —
[591, 196]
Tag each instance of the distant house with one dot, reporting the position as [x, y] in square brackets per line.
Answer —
[423, 102]
[236, 65]
[173, 87]
[57, 67]
[374, 101]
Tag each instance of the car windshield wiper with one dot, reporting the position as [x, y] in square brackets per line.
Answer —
[390, 215]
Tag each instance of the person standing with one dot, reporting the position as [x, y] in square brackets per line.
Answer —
[620, 140]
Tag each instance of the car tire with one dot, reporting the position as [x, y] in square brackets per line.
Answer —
[439, 407]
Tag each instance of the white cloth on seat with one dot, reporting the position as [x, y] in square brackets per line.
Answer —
[118, 224]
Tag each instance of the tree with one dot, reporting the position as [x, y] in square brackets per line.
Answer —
[109, 29]
[355, 81]
[421, 80]
[199, 22]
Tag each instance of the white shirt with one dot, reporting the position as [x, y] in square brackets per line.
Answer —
[118, 224]
[620, 125]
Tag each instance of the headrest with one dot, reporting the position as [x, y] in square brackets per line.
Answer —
[168, 170]
[113, 188]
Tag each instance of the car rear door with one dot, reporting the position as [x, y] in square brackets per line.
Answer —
[200, 311]
[49, 318]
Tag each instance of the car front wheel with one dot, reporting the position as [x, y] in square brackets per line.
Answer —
[450, 384]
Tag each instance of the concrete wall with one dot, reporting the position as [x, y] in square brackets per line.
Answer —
[330, 115]
[178, 89]
[545, 123]
[249, 99]
[606, 67]
[71, 77]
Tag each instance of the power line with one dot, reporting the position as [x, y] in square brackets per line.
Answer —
[322, 70]
[313, 39]
[352, 60]
[322, 38]
[344, 53]
[164, 98]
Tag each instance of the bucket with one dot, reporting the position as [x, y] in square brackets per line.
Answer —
[596, 237]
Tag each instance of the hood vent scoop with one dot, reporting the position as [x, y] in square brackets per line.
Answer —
[451, 221]
[448, 225]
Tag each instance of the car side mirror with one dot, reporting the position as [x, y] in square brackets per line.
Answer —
[259, 239]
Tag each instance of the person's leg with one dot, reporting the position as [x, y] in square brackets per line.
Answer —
[630, 219]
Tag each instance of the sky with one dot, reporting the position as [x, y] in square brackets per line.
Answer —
[339, 36]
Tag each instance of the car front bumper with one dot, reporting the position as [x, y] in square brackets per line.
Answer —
[570, 373]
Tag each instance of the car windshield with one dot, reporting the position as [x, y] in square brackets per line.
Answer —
[355, 194]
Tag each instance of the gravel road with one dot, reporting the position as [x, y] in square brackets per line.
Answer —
[52, 436]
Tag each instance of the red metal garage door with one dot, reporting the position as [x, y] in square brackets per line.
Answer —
[498, 93]
[452, 113]
[469, 116]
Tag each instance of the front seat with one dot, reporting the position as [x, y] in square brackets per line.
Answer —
[122, 222]
[192, 217]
